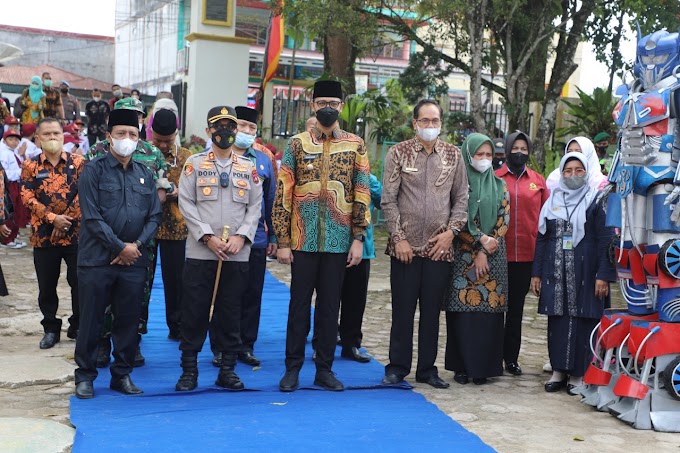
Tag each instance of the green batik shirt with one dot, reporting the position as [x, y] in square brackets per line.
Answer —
[146, 154]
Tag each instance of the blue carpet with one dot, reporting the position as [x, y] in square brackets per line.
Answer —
[368, 416]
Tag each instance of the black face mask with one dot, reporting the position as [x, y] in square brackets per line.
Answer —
[517, 161]
[497, 162]
[602, 149]
[327, 116]
[223, 138]
[64, 90]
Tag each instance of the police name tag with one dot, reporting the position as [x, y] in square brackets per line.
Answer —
[567, 242]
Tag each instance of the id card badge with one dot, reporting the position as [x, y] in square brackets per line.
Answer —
[567, 242]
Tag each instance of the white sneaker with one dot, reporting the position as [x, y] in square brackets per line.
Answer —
[16, 244]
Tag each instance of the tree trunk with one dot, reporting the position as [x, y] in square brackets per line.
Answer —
[562, 70]
[616, 52]
[476, 21]
[339, 57]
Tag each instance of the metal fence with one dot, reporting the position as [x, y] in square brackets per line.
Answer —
[494, 114]
[289, 116]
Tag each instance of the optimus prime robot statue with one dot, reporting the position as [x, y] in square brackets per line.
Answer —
[635, 374]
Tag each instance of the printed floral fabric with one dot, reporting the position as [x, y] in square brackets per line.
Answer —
[52, 103]
[173, 227]
[48, 191]
[489, 293]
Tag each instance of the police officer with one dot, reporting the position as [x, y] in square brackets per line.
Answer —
[217, 189]
[120, 212]
[265, 240]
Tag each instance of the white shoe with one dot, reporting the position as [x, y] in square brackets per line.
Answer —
[547, 368]
[16, 244]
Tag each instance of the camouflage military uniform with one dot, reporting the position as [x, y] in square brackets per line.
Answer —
[152, 158]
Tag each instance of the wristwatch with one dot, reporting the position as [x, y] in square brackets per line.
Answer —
[456, 231]
[360, 237]
[138, 243]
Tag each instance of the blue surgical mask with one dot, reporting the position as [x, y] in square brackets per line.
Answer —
[243, 140]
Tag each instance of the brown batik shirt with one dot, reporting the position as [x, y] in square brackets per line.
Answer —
[48, 191]
[52, 103]
[423, 195]
[173, 227]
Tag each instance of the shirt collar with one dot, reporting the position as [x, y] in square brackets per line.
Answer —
[250, 152]
[321, 136]
[438, 146]
[62, 157]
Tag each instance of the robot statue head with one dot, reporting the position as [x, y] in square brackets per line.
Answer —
[658, 56]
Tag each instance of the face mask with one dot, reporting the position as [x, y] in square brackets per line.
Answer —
[327, 116]
[575, 182]
[497, 163]
[47, 83]
[481, 165]
[124, 147]
[97, 98]
[601, 149]
[223, 138]
[118, 93]
[243, 140]
[64, 90]
[429, 133]
[517, 161]
[51, 146]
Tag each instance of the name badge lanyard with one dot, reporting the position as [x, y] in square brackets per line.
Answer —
[224, 176]
[567, 239]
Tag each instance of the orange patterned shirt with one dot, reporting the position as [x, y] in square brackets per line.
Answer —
[48, 191]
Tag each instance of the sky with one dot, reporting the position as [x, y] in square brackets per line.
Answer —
[97, 17]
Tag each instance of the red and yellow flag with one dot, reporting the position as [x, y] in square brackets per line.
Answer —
[275, 37]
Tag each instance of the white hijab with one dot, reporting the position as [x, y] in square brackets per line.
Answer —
[563, 199]
[595, 176]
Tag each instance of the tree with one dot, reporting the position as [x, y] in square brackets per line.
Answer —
[424, 76]
[593, 114]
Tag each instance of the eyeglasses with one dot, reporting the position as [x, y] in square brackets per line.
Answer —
[224, 179]
[577, 172]
[324, 104]
[220, 126]
[424, 122]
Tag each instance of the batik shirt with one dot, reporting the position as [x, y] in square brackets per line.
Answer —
[423, 195]
[52, 103]
[173, 227]
[145, 153]
[323, 195]
[48, 191]
[97, 116]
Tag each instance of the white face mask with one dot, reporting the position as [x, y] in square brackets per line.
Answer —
[429, 134]
[97, 98]
[481, 165]
[124, 147]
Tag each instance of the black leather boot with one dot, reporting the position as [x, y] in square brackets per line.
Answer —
[227, 378]
[189, 378]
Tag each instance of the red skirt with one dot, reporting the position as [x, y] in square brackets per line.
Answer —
[21, 215]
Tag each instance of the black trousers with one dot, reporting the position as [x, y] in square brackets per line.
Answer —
[519, 278]
[353, 303]
[172, 269]
[225, 327]
[423, 283]
[47, 261]
[323, 272]
[251, 304]
[122, 287]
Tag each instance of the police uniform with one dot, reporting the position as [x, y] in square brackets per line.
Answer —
[212, 194]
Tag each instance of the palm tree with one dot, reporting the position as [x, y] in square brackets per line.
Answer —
[593, 114]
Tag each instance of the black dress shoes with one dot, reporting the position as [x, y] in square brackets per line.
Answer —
[289, 382]
[513, 368]
[72, 332]
[391, 379]
[124, 385]
[139, 358]
[461, 378]
[480, 381]
[327, 380]
[571, 391]
[555, 386]
[355, 354]
[435, 381]
[49, 340]
[217, 359]
[248, 358]
[84, 390]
